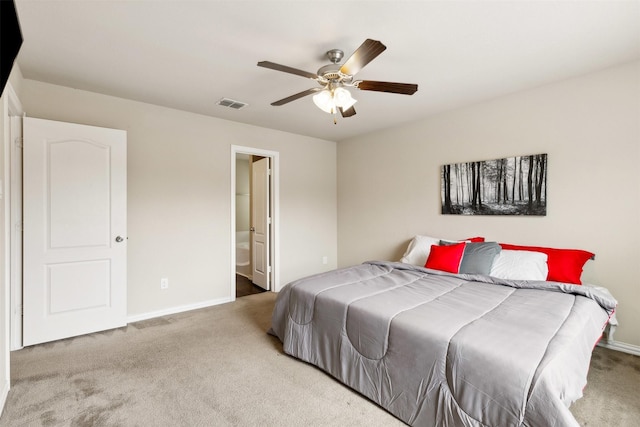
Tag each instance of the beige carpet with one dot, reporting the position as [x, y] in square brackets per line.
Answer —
[218, 367]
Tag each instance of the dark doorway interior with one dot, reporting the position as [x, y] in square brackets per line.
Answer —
[244, 287]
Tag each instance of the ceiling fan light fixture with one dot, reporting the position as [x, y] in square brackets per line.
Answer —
[343, 99]
[324, 101]
[328, 100]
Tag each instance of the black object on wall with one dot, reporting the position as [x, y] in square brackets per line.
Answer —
[10, 39]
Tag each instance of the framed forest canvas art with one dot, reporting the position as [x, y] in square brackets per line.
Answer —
[509, 186]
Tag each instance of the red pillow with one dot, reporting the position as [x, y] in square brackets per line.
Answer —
[475, 239]
[565, 265]
[445, 258]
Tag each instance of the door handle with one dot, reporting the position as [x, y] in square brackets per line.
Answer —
[119, 239]
[252, 229]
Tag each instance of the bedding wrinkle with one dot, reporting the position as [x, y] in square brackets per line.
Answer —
[422, 396]
[544, 360]
[393, 396]
[454, 357]
[302, 310]
[369, 317]
[530, 331]
[563, 359]
[449, 415]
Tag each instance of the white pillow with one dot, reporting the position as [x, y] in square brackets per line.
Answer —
[418, 250]
[520, 265]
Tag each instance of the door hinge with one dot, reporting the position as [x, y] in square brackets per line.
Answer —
[20, 226]
[269, 269]
[268, 171]
[19, 142]
[269, 220]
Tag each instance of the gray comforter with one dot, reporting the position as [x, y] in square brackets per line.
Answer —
[436, 349]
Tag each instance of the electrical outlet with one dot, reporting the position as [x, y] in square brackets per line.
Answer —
[164, 283]
[325, 260]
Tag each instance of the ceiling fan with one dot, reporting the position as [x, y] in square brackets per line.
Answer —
[334, 78]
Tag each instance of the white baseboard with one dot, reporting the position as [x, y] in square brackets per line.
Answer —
[3, 395]
[174, 310]
[620, 346]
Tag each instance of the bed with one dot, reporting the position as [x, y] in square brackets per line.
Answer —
[447, 348]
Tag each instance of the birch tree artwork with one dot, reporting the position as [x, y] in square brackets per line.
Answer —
[510, 186]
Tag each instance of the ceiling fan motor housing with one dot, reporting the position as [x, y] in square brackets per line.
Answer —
[335, 55]
[331, 72]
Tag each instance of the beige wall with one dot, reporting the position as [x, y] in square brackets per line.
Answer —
[389, 182]
[179, 184]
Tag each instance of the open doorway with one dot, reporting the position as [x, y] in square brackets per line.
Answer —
[254, 221]
[245, 195]
[243, 215]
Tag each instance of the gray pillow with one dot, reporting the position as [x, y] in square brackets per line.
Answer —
[478, 257]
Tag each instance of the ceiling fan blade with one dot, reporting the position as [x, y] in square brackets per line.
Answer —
[402, 88]
[366, 53]
[284, 68]
[348, 112]
[296, 96]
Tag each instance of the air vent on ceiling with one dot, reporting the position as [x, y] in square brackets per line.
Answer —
[236, 105]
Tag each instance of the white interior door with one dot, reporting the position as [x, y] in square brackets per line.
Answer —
[75, 244]
[260, 222]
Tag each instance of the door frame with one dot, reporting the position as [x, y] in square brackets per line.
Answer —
[12, 259]
[274, 244]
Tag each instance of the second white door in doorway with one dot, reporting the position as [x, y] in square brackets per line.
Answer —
[261, 220]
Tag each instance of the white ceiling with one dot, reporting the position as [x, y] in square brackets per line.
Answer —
[189, 54]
